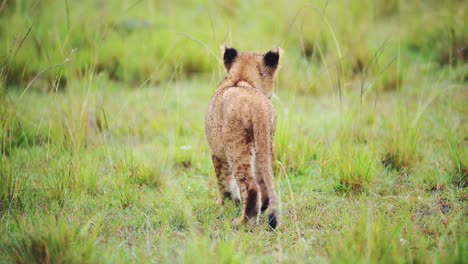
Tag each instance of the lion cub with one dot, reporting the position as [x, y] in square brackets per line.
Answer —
[240, 127]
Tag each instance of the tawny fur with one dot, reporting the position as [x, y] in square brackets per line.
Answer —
[240, 128]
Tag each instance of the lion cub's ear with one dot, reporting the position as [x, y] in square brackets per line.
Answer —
[271, 58]
[229, 55]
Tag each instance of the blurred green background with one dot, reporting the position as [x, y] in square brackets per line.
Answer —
[148, 42]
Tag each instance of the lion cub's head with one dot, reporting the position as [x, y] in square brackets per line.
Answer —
[254, 69]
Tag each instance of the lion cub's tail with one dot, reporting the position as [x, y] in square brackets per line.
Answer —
[263, 142]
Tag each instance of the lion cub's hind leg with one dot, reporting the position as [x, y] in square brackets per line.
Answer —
[226, 182]
[265, 198]
[241, 157]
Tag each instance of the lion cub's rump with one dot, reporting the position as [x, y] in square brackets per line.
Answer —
[240, 127]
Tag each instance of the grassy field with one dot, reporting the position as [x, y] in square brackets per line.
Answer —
[103, 157]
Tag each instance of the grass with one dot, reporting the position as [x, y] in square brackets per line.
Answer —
[65, 242]
[103, 157]
[355, 168]
[459, 158]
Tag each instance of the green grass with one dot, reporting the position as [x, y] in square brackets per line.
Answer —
[103, 157]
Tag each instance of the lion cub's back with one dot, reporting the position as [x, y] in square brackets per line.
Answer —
[235, 108]
[242, 103]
